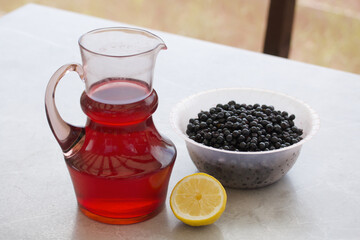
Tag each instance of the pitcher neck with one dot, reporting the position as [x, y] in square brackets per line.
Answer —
[119, 115]
[101, 128]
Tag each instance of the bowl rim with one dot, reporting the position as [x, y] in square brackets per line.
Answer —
[315, 123]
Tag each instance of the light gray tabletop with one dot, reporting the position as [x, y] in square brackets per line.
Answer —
[318, 199]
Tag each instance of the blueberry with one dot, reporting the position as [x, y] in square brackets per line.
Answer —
[253, 124]
[284, 124]
[229, 138]
[220, 139]
[206, 142]
[269, 127]
[253, 146]
[226, 107]
[232, 119]
[242, 145]
[229, 124]
[241, 138]
[245, 132]
[267, 111]
[253, 129]
[203, 125]
[291, 123]
[279, 118]
[226, 131]
[237, 125]
[277, 128]
[198, 137]
[250, 118]
[235, 133]
[207, 136]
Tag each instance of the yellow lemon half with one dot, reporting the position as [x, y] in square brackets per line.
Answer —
[198, 199]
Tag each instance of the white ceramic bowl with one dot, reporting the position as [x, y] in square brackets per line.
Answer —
[244, 169]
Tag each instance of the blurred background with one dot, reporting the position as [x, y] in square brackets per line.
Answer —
[325, 32]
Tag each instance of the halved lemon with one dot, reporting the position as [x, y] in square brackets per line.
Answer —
[198, 199]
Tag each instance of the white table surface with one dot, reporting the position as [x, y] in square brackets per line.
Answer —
[318, 199]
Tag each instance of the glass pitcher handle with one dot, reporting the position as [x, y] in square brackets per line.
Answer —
[66, 134]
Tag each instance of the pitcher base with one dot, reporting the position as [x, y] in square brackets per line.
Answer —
[119, 221]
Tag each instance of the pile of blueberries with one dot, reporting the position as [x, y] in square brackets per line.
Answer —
[246, 128]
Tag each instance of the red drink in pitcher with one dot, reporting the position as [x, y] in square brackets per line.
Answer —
[121, 172]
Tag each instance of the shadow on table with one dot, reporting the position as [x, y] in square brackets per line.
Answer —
[247, 212]
[274, 205]
[88, 229]
[183, 231]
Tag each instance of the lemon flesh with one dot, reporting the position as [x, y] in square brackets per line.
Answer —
[198, 199]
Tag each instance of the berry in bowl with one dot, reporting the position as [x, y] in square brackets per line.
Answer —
[246, 138]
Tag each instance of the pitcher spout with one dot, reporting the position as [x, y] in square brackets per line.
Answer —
[161, 46]
[120, 53]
